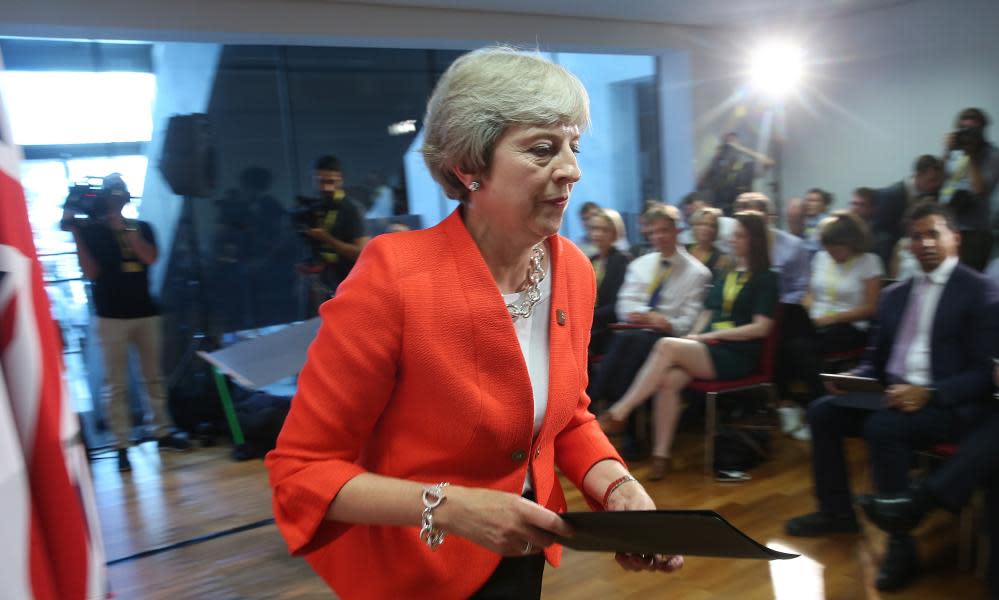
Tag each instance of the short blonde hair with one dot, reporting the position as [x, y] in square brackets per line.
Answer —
[613, 218]
[481, 95]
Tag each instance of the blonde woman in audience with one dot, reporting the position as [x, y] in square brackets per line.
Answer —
[446, 381]
[609, 266]
[704, 222]
[842, 297]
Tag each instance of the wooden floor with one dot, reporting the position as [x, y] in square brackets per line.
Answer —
[175, 498]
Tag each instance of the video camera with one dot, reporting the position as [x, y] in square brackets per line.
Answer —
[92, 197]
[308, 213]
[968, 138]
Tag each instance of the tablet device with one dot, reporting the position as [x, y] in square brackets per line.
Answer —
[852, 383]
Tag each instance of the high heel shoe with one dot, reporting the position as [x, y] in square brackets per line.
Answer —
[610, 425]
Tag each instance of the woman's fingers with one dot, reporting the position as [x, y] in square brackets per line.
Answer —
[649, 562]
[541, 518]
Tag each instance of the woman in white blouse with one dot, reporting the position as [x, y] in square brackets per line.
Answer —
[842, 296]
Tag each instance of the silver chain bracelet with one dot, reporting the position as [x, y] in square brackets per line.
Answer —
[433, 496]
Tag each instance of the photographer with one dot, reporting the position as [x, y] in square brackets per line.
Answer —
[115, 254]
[334, 226]
[972, 172]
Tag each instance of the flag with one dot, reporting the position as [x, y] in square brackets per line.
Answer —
[50, 542]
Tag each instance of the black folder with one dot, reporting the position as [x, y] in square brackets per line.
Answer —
[685, 532]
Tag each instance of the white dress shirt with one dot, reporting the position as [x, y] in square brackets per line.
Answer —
[532, 333]
[838, 288]
[917, 362]
[682, 297]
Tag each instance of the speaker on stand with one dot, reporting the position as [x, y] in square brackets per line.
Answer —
[188, 164]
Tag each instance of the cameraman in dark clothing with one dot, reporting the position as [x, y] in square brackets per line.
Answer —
[115, 254]
[337, 231]
[972, 173]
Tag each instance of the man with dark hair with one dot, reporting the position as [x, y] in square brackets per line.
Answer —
[817, 203]
[930, 346]
[972, 173]
[339, 235]
[115, 254]
[893, 201]
[864, 204]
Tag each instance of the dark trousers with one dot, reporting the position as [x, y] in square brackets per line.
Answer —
[892, 437]
[625, 356]
[515, 577]
[803, 355]
[975, 465]
[976, 247]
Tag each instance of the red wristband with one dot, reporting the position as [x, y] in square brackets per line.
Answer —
[614, 485]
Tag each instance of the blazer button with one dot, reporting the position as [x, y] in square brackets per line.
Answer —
[537, 453]
[518, 455]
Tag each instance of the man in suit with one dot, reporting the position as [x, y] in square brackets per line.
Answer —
[892, 202]
[931, 347]
[950, 487]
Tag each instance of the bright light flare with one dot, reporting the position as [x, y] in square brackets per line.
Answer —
[776, 69]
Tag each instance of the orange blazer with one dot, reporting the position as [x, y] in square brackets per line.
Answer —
[416, 373]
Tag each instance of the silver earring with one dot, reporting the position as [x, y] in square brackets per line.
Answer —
[474, 186]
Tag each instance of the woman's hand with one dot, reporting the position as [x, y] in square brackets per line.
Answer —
[632, 496]
[499, 521]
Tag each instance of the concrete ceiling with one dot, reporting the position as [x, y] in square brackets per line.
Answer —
[707, 13]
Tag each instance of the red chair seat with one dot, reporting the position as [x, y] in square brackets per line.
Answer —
[944, 450]
[712, 385]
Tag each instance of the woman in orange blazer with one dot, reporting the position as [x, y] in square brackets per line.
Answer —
[447, 380]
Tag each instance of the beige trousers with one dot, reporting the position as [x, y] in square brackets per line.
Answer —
[117, 336]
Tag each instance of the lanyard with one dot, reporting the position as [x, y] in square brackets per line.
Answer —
[734, 283]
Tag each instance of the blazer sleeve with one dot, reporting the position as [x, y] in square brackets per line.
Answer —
[348, 378]
[978, 336]
[581, 443]
[613, 280]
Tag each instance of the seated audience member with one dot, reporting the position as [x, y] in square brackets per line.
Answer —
[643, 246]
[609, 265]
[842, 296]
[931, 347]
[690, 204]
[817, 203]
[864, 205]
[794, 217]
[724, 344]
[662, 294]
[585, 212]
[894, 201]
[972, 174]
[704, 248]
[950, 487]
[788, 255]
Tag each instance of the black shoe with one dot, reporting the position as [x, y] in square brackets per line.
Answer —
[899, 513]
[820, 523]
[176, 442]
[899, 566]
[123, 465]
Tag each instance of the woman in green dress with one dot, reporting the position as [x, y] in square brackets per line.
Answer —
[737, 317]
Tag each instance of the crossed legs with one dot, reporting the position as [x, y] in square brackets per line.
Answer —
[670, 366]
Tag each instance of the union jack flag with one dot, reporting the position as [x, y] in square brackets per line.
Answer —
[50, 542]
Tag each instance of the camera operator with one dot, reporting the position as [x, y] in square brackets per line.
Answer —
[115, 254]
[972, 172]
[335, 229]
